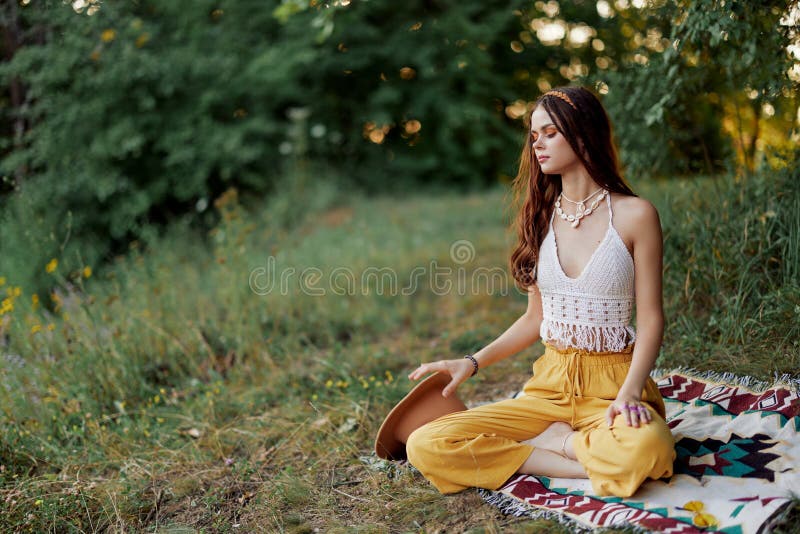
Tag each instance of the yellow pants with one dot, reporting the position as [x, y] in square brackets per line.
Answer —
[481, 447]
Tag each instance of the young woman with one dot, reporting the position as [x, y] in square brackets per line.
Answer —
[588, 250]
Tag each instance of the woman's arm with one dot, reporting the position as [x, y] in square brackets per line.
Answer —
[647, 261]
[521, 334]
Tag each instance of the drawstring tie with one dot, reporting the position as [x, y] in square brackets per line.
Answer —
[574, 382]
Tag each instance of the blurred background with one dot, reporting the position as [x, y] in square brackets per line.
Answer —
[154, 155]
[119, 118]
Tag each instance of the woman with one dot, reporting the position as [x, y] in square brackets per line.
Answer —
[588, 248]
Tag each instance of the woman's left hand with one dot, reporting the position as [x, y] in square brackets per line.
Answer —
[632, 407]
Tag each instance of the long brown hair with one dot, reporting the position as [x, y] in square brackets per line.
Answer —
[588, 131]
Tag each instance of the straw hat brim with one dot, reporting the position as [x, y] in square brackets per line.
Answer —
[421, 405]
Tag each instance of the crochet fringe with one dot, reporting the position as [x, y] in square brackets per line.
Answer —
[588, 337]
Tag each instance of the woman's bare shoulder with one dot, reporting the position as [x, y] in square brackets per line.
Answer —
[635, 218]
[631, 209]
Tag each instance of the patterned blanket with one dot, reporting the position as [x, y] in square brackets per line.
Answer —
[737, 465]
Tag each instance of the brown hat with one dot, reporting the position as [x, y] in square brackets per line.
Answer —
[422, 405]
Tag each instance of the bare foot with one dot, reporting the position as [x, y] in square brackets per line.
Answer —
[552, 439]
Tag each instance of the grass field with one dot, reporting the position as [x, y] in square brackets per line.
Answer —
[178, 390]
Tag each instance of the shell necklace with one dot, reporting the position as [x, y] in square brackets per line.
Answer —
[581, 211]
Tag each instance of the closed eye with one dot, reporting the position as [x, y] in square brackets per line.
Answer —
[549, 135]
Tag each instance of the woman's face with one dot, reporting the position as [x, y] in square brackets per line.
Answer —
[550, 148]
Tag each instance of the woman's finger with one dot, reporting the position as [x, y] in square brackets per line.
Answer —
[634, 416]
[646, 416]
[449, 388]
[611, 413]
[426, 368]
[418, 372]
[627, 411]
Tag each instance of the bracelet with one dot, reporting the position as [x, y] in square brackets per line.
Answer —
[474, 364]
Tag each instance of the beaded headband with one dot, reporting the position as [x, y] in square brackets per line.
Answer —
[563, 96]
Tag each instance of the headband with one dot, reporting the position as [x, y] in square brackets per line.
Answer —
[563, 96]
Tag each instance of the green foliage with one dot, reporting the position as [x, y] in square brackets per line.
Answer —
[145, 112]
[732, 260]
[715, 58]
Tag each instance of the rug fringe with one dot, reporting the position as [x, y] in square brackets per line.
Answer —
[515, 507]
[785, 380]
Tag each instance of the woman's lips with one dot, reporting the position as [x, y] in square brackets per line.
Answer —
[542, 158]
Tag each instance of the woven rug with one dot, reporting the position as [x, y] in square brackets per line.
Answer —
[737, 465]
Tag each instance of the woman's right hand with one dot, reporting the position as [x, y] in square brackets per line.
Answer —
[459, 371]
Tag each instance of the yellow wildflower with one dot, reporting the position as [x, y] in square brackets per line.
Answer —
[87, 272]
[142, 39]
[38, 502]
[17, 291]
[329, 383]
[7, 306]
[36, 328]
[51, 327]
[2, 280]
[51, 265]
[56, 299]
[108, 35]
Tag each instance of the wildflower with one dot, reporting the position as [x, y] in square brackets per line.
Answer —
[17, 291]
[36, 328]
[51, 265]
[329, 383]
[314, 396]
[159, 419]
[142, 39]
[108, 35]
[51, 327]
[389, 376]
[87, 272]
[6, 306]
[34, 300]
[38, 502]
[2, 280]
[57, 299]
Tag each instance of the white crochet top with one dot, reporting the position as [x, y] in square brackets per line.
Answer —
[593, 311]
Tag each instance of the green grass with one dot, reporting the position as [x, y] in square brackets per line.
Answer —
[169, 395]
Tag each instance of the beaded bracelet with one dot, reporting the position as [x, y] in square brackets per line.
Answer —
[474, 364]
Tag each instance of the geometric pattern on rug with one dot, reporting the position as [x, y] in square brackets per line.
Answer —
[737, 467]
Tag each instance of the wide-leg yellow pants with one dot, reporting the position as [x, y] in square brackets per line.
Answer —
[480, 447]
